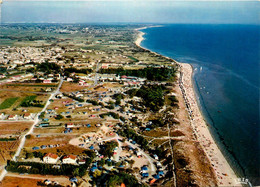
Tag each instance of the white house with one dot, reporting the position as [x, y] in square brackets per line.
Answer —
[27, 116]
[70, 125]
[50, 158]
[79, 95]
[156, 157]
[69, 159]
[12, 117]
[46, 81]
[69, 79]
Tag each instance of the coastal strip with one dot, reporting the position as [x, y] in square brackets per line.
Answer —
[224, 173]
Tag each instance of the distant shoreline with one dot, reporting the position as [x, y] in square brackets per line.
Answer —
[224, 174]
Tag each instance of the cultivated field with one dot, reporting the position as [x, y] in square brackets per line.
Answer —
[7, 103]
[14, 128]
[13, 179]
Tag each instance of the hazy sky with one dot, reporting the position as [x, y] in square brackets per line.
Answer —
[135, 11]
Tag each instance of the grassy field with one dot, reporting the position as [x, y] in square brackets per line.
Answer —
[29, 98]
[8, 102]
[133, 58]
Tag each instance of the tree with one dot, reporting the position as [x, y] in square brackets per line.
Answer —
[108, 148]
[75, 172]
[131, 162]
[28, 136]
[29, 155]
[102, 162]
[97, 173]
[59, 117]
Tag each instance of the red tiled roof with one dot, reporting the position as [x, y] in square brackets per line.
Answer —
[51, 155]
[73, 157]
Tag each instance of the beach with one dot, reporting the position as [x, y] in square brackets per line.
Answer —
[140, 37]
[224, 174]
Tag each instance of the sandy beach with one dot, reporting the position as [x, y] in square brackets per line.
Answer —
[224, 173]
[140, 37]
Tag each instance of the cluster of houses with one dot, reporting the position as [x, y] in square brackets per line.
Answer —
[46, 79]
[15, 78]
[46, 146]
[26, 55]
[26, 116]
[51, 158]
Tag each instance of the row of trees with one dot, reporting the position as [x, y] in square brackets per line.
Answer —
[32, 103]
[49, 169]
[113, 114]
[39, 168]
[151, 73]
[67, 71]
[74, 97]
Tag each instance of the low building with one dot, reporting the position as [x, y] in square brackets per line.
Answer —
[69, 159]
[12, 117]
[70, 125]
[46, 81]
[82, 161]
[50, 158]
[156, 157]
[27, 116]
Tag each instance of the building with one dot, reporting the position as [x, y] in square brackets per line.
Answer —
[12, 117]
[27, 116]
[50, 158]
[69, 159]
[82, 161]
[70, 125]
[46, 81]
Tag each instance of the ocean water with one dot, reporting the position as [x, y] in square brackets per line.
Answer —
[226, 78]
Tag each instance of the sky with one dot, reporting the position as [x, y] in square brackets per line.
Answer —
[135, 11]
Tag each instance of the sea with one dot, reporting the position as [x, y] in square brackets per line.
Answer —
[225, 60]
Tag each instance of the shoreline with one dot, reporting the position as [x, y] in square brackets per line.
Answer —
[224, 173]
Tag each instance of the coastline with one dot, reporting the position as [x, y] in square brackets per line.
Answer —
[224, 174]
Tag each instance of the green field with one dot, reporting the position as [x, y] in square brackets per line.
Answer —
[28, 98]
[133, 58]
[8, 102]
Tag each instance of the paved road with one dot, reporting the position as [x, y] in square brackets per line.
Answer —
[36, 120]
